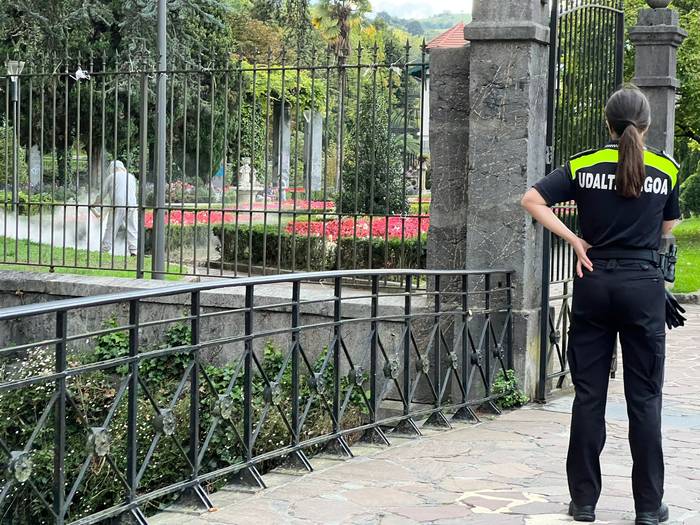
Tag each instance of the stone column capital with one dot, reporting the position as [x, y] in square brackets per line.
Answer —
[658, 27]
[509, 30]
[523, 20]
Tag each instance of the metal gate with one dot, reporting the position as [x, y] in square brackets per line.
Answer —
[585, 66]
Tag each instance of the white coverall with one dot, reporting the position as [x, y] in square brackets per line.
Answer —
[119, 188]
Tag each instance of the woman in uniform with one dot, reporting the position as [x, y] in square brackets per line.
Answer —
[627, 196]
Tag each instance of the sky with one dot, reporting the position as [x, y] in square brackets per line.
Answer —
[420, 8]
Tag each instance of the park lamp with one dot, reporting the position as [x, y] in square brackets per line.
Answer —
[14, 68]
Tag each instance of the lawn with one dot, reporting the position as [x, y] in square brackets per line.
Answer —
[40, 257]
[688, 267]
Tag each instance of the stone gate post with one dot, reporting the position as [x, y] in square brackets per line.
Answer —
[656, 38]
[508, 91]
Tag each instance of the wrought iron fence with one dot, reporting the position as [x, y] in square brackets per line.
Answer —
[271, 166]
[100, 420]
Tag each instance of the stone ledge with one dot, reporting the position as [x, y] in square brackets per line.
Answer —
[511, 30]
[63, 286]
[657, 35]
[660, 82]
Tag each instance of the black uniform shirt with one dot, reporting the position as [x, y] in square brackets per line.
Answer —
[607, 219]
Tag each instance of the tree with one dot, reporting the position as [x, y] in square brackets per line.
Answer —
[107, 35]
[690, 195]
[297, 24]
[415, 28]
[266, 10]
[372, 181]
[335, 19]
[688, 108]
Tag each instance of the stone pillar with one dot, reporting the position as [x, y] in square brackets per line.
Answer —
[281, 147]
[313, 151]
[508, 93]
[656, 38]
[449, 141]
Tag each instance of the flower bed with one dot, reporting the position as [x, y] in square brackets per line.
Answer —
[190, 217]
[380, 227]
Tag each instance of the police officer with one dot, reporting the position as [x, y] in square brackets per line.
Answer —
[627, 196]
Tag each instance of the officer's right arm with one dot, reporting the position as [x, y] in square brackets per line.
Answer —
[556, 187]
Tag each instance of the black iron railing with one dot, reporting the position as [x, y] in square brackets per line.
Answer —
[117, 403]
[271, 166]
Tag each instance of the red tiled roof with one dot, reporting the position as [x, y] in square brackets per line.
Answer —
[453, 37]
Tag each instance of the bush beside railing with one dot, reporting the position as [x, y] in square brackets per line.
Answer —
[266, 246]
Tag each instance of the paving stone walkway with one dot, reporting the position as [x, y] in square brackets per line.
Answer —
[507, 470]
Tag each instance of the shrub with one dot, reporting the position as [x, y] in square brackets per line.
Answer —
[373, 167]
[6, 159]
[262, 245]
[185, 236]
[506, 385]
[690, 195]
[92, 395]
[28, 204]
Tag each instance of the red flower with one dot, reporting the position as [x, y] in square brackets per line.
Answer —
[396, 227]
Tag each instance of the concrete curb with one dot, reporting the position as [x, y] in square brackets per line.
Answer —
[688, 298]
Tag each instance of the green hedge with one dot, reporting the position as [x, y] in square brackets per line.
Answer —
[28, 204]
[300, 252]
[186, 236]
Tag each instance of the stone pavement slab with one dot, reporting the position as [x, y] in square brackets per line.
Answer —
[502, 471]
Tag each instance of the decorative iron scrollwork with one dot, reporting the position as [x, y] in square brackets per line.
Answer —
[499, 352]
[99, 441]
[356, 376]
[454, 360]
[391, 369]
[423, 364]
[554, 337]
[273, 394]
[223, 407]
[318, 383]
[165, 421]
[20, 466]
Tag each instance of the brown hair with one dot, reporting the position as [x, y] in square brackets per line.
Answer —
[629, 116]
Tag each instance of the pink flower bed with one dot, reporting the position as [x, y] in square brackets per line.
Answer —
[189, 218]
[397, 227]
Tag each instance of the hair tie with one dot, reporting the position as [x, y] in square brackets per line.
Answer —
[627, 123]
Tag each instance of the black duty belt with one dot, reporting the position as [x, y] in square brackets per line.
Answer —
[625, 253]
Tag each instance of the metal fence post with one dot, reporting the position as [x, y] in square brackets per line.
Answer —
[132, 409]
[143, 170]
[159, 187]
[59, 476]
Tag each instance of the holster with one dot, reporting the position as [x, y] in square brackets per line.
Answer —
[668, 263]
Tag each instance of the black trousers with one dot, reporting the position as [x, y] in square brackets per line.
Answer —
[624, 297]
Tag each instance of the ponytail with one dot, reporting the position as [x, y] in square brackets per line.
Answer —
[630, 166]
[629, 116]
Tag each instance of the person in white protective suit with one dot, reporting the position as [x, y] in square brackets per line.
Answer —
[119, 188]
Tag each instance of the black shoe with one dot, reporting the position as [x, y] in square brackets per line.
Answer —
[582, 512]
[652, 518]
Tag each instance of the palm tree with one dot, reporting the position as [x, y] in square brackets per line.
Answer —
[335, 19]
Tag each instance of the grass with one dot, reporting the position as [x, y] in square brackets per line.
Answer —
[40, 258]
[687, 235]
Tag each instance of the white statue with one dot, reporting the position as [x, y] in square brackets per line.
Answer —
[247, 176]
